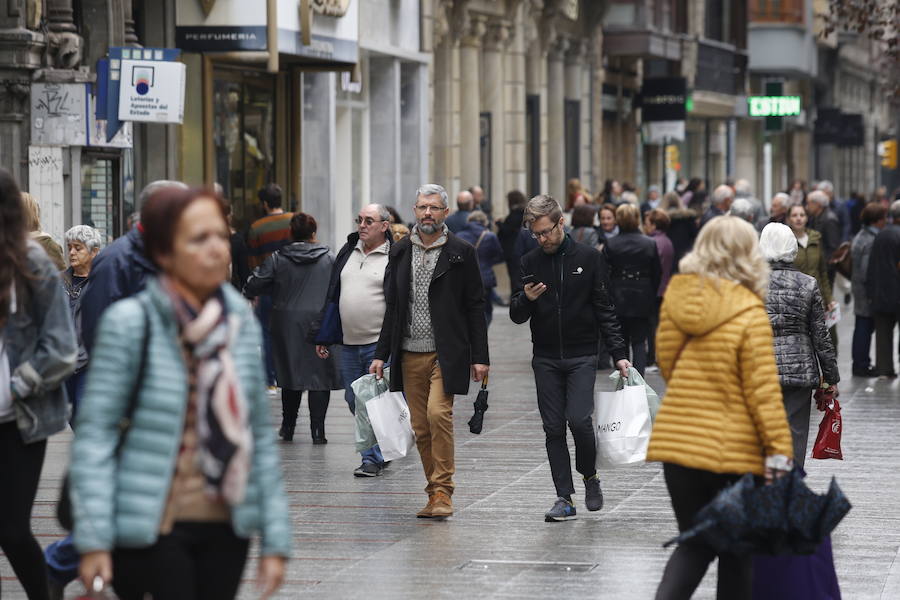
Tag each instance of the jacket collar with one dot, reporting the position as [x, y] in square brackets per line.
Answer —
[778, 265]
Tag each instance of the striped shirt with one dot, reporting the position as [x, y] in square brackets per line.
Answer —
[267, 235]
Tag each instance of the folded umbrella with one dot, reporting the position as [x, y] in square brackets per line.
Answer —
[481, 405]
[785, 517]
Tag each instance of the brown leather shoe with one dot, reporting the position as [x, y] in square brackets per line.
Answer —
[443, 506]
[425, 513]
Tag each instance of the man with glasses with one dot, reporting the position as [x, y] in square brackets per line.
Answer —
[566, 297]
[435, 332]
[357, 288]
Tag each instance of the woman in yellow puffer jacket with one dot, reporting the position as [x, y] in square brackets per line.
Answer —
[722, 415]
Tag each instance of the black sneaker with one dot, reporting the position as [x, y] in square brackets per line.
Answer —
[367, 470]
[867, 372]
[593, 495]
[562, 510]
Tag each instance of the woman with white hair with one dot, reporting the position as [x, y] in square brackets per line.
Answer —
[803, 349]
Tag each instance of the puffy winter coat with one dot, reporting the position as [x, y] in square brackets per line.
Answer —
[803, 347]
[119, 500]
[723, 410]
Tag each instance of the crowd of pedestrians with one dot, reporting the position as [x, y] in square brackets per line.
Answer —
[158, 350]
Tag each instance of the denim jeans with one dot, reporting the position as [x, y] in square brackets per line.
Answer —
[862, 342]
[263, 313]
[355, 361]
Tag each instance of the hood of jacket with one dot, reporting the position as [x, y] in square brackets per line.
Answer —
[702, 304]
[304, 252]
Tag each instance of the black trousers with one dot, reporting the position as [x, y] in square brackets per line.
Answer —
[565, 394]
[636, 332]
[195, 561]
[318, 405]
[20, 471]
[884, 342]
[691, 490]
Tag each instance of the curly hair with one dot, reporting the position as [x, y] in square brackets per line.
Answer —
[727, 247]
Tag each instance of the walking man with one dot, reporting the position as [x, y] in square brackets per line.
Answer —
[434, 330]
[357, 288]
[566, 297]
[883, 285]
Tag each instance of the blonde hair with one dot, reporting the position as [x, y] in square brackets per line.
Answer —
[727, 247]
[628, 217]
[32, 212]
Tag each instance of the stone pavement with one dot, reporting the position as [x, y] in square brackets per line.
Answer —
[359, 538]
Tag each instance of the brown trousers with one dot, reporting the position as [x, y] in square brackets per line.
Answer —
[431, 411]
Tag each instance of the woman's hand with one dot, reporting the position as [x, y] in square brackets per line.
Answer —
[270, 574]
[777, 466]
[322, 351]
[93, 565]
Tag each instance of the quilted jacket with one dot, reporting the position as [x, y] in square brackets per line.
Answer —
[118, 501]
[723, 410]
[803, 347]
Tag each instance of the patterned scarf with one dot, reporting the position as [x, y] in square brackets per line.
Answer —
[225, 441]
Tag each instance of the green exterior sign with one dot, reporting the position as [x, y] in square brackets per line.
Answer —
[773, 106]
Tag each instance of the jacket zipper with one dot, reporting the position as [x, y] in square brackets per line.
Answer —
[559, 305]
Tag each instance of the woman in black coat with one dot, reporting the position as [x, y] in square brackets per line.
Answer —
[634, 274]
[297, 276]
[803, 349]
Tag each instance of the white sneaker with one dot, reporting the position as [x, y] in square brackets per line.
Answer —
[652, 369]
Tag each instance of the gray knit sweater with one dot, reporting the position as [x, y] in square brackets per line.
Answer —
[419, 336]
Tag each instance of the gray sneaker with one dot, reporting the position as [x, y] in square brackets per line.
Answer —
[593, 496]
[562, 510]
[367, 470]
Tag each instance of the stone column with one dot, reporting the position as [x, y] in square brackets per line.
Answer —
[493, 102]
[131, 38]
[515, 177]
[556, 141]
[470, 96]
[60, 16]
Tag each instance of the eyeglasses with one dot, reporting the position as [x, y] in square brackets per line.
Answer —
[542, 234]
[424, 208]
[369, 221]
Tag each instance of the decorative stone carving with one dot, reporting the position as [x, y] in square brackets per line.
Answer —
[14, 96]
[498, 34]
[64, 50]
[332, 8]
[474, 32]
[557, 50]
[60, 16]
[33, 14]
[576, 51]
[441, 20]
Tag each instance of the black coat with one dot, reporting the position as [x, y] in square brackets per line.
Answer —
[828, 224]
[634, 273]
[456, 300]
[567, 319]
[508, 231]
[883, 279]
[803, 348]
[682, 231]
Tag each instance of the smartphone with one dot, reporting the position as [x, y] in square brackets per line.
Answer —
[530, 278]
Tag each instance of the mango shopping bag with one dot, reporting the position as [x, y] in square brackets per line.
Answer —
[622, 426]
[390, 419]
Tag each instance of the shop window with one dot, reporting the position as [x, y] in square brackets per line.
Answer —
[573, 139]
[533, 143]
[244, 139]
[101, 205]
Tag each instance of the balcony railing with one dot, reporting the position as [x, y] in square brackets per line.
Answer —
[720, 69]
[777, 11]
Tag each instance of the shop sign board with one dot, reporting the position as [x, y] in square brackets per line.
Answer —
[664, 99]
[151, 91]
[660, 132]
[773, 106]
[240, 25]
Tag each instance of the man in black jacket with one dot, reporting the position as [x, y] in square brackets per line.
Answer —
[883, 285]
[435, 332]
[566, 297]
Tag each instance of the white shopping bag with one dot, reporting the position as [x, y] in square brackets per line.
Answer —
[389, 416]
[622, 426]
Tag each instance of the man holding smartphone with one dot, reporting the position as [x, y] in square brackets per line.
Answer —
[566, 297]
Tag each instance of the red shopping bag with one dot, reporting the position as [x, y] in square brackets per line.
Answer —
[828, 442]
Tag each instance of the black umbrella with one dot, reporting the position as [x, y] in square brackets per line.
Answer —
[785, 517]
[481, 405]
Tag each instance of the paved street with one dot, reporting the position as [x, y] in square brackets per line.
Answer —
[358, 538]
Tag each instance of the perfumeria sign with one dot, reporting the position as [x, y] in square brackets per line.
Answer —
[773, 106]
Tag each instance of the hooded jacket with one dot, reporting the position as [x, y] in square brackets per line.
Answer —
[723, 409]
[296, 276]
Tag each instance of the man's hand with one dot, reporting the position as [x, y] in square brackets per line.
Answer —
[479, 372]
[533, 291]
[622, 366]
[321, 351]
[93, 565]
[377, 368]
[270, 574]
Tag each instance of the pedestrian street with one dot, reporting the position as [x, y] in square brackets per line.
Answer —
[359, 538]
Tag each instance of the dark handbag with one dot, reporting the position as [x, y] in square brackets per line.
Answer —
[64, 504]
[330, 329]
[842, 260]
